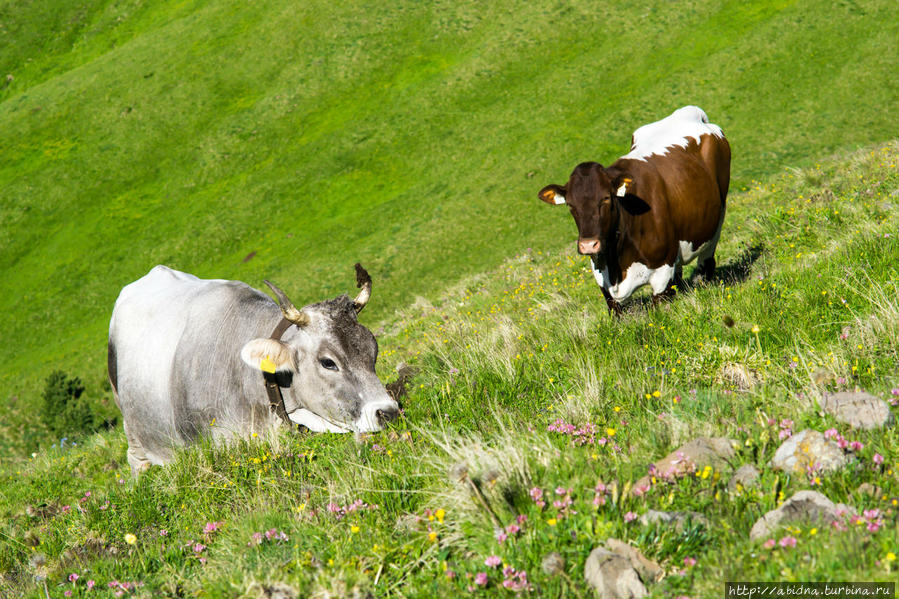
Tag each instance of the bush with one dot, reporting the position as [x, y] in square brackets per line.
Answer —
[64, 411]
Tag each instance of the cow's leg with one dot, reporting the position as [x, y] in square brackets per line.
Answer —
[137, 457]
[662, 283]
[706, 268]
[666, 295]
[612, 303]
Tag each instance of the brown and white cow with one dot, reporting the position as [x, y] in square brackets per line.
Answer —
[655, 209]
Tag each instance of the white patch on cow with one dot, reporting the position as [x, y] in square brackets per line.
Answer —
[689, 122]
[315, 423]
[597, 274]
[639, 274]
[558, 199]
[368, 421]
[621, 190]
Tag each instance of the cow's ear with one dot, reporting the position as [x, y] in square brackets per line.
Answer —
[622, 185]
[552, 194]
[268, 355]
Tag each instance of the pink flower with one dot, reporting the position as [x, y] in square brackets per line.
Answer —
[769, 544]
[689, 561]
[856, 446]
[895, 392]
[501, 537]
[630, 517]
[90, 585]
[68, 593]
[73, 577]
[830, 433]
[493, 561]
[878, 459]
[212, 527]
[787, 542]
[513, 529]
[450, 574]
[480, 579]
[521, 519]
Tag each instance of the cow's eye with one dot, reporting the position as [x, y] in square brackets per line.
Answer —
[328, 363]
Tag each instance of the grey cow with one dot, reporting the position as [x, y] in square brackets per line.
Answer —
[187, 357]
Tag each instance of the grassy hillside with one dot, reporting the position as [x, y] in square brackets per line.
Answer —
[805, 304]
[410, 136]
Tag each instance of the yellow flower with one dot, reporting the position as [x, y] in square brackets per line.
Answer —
[656, 393]
[755, 328]
[610, 431]
[254, 435]
[617, 408]
[551, 521]
[301, 507]
[891, 557]
[130, 539]
[432, 536]
[354, 528]
[440, 513]
[813, 532]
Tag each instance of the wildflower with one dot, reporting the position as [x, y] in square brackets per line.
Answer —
[755, 328]
[354, 529]
[552, 521]
[787, 542]
[480, 579]
[856, 446]
[211, 527]
[432, 536]
[130, 539]
[877, 459]
[890, 557]
[440, 513]
[610, 432]
[90, 585]
[501, 537]
[73, 577]
[769, 544]
[493, 561]
[630, 517]
[689, 561]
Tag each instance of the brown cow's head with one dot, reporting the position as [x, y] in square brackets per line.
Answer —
[589, 194]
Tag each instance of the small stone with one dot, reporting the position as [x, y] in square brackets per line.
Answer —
[648, 570]
[612, 575]
[808, 449]
[858, 410]
[803, 507]
[869, 489]
[715, 452]
[553, 563]
[677, 519]
[745, 477]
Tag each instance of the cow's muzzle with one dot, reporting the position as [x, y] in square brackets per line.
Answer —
[588, 246]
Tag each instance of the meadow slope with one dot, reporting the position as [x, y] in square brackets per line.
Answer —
[272, 140]
[531, 416]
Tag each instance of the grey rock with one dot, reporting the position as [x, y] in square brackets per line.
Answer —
[716, 452]
[745, 477]
[858, 409]
[803, 507]
[612, 575]
[808, 449]
[648, 570]
[677, 519]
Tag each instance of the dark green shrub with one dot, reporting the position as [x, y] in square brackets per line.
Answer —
[64, 411]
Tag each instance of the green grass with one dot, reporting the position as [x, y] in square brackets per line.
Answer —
[809, 262]
[411, 137]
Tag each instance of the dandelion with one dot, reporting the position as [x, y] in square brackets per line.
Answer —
[130, 539]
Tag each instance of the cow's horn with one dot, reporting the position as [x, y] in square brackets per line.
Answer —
[289, 311]
[363, 282]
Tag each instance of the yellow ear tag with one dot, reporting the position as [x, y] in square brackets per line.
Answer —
[266, 365]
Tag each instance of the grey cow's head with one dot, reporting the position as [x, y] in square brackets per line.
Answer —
[330, 360]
